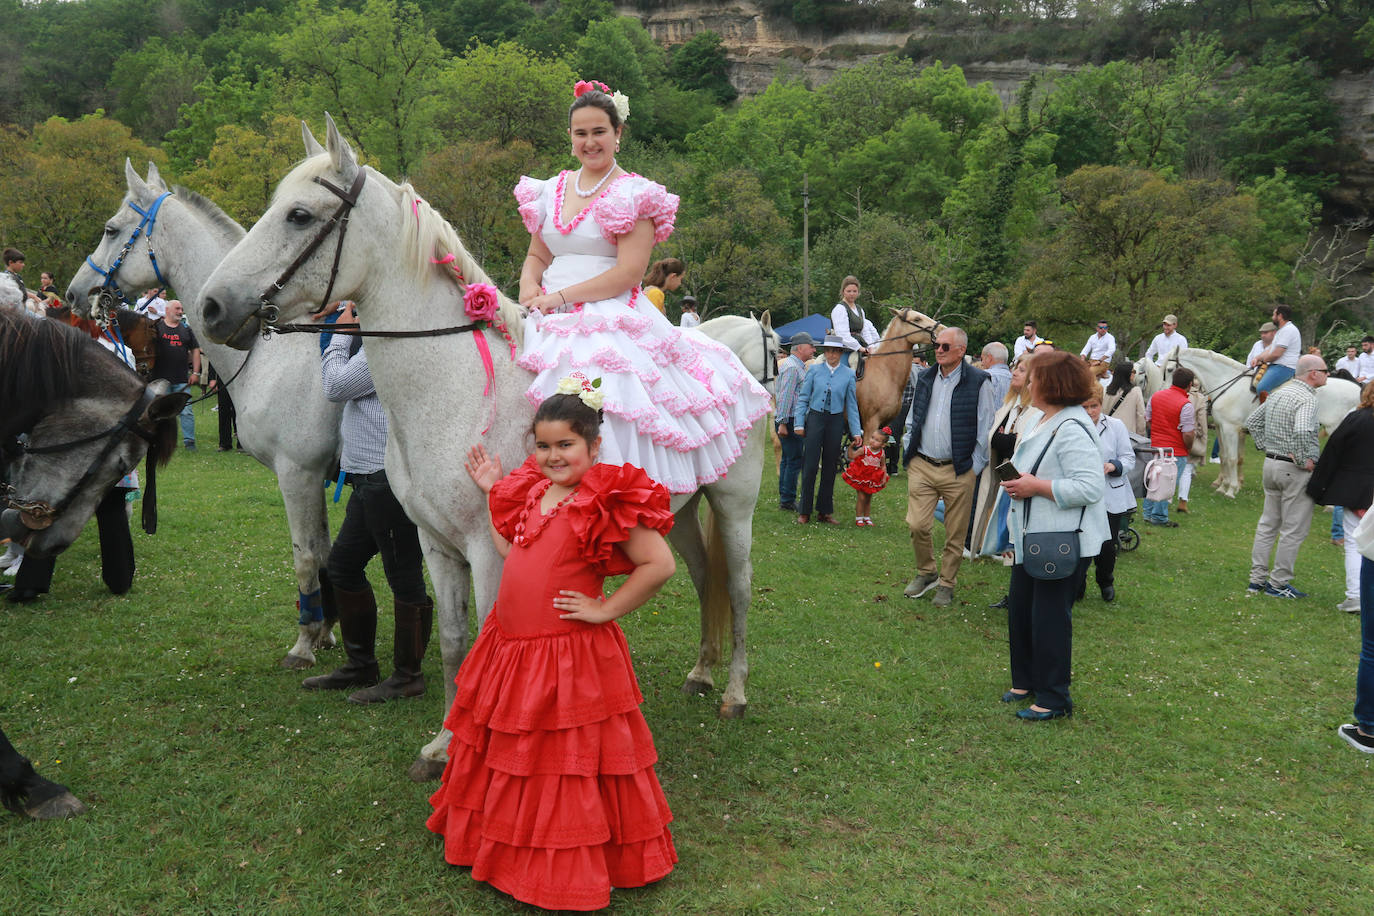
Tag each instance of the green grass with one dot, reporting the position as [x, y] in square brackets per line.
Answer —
[1200, 771]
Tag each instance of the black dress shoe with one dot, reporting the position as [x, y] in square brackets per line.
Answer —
[788, 507]
[1000, 602]
[1109, 593]
[1011, 696]
[1036, 715]
[23, 595]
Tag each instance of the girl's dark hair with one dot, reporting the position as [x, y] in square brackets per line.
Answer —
[568, 408]
[1121, 378]
[595, 98]
[660, 271]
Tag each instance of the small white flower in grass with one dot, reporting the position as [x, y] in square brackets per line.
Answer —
[72, 679]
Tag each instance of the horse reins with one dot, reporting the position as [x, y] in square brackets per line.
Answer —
[110, 292]
[42, 514]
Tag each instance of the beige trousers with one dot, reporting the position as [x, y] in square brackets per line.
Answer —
[926, 485]
[1287, 518]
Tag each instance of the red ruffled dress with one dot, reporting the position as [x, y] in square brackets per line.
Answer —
[550, 792]
[867, 472]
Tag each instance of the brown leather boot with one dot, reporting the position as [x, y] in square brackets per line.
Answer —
[414, 622]
[358, 626]
[1183, 506]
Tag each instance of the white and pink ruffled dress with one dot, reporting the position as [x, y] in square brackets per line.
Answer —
[678, 404]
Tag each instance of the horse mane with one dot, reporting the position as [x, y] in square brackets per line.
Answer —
[39, 368]
[429, 236]
[212, 212]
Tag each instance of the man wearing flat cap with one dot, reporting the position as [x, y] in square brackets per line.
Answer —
[1265, 339]
[1165, 342]
[800, 350]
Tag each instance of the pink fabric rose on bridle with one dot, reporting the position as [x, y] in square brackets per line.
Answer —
[479, 301]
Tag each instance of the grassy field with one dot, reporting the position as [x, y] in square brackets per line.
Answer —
[875, 772]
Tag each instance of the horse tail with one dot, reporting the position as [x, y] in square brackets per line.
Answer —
[716, 613]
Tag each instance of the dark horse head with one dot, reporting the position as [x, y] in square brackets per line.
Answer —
[75, 421]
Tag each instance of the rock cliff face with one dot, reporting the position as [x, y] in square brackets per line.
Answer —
[761, 48]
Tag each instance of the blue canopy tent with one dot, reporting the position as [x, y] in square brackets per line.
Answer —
[815, 325]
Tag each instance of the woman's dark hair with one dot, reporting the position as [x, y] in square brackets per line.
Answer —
[1121, 378]
[659, 271]
[595, 98]
[568, 408]
[1061, 378]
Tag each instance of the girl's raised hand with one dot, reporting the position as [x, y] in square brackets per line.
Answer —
[482, 468]
[573, 605]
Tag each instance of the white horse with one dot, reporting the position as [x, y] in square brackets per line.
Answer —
[1228, 390]
[10, 296]
[296, 437]
[433, 391]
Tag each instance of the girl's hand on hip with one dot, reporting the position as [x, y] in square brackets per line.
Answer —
[573, 605]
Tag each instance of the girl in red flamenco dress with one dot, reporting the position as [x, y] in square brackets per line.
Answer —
[550, 793]
[867, 473]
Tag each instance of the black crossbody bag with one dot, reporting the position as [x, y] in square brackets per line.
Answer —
[1050, 554]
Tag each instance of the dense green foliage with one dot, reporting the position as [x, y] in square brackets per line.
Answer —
[1202, 126]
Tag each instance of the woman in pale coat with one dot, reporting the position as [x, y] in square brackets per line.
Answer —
[1123, 400]
[1060, 489]
[990, 514]
[1118, 458]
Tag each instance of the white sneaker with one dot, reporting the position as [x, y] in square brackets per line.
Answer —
[1215, 460]
[1349, 605]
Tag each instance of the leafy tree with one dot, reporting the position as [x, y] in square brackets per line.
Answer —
[506, 93]
[701, 64]
[62, 182]
[734, 244]
[151, 83]
[243, 167]
[606, 54]
[233, 99]
[378, 70]
[461, 23]
[901, 261]
[562, 23]
[470, 184]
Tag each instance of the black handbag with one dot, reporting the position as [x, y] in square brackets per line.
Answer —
[1050, 554]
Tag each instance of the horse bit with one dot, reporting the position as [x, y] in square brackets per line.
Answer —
[37, 515]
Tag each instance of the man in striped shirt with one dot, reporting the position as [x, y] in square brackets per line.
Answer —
[1285, 427]
[789, 385]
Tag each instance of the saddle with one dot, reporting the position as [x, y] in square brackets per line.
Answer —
[1255, 380]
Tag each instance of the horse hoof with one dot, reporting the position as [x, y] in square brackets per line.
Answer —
[425, 770]
[695, 688]
[56, 808]
[732, 710]
[296, 663]
[326, 642]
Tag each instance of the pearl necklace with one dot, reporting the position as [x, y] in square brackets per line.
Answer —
[577, 183]
[522, 537]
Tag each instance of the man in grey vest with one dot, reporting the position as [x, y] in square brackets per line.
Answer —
[951, 414]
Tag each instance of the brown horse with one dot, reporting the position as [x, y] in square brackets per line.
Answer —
[135, 331]
[888, 367]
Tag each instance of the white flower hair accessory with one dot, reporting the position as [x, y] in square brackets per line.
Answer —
[588, 392]
[622, 105]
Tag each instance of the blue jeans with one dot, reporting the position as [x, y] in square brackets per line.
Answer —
[1364, 677]
[1274, 376]
[188, 419]
[790, 467]
[1338, 523]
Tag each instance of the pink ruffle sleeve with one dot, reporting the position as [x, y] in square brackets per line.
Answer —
[529, 195]
[617, 212]
[615, 499]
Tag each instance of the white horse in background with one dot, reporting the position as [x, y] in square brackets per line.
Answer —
[10, 295]
[284, 420]
[1227, 385]
[434, 392]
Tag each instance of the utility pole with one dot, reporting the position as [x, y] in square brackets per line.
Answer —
[806, 246]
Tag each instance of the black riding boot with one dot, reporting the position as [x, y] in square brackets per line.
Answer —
[414, 622]
[358, 626]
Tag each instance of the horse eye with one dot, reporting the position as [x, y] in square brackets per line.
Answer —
[299, 216]
[110, 231]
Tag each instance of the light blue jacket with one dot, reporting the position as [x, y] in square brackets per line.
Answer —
[1073, 463]
[1116, 446]
[843, 397]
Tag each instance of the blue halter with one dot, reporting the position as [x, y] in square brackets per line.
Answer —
[109, 290]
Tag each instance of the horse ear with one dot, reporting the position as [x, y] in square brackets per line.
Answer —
[312, 146]
[155, 177]
[340, 153]
[766, 319]
[137, 186]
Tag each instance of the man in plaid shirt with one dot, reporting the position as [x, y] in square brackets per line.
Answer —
[1285, 427]
[789, 384]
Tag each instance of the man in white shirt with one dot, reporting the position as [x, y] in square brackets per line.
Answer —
[1366, 373]
[1350, 362]
[1282, 355]
[1265, 339]
[1027, 341]
[1164, 343]
[1100, 346]
[152, 304]
[690, 318]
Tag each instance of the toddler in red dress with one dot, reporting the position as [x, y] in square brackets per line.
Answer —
[867, 473]
[550, 793]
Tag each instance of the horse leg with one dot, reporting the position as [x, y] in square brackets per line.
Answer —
[450, 574]
[24, 792]
[302, 490]
[1231, 436]
[687, 537]
[729, 547]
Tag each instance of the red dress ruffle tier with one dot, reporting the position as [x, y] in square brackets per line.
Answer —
[550, 793]
[866, 473]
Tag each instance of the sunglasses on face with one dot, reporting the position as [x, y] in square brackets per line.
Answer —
[944, 346]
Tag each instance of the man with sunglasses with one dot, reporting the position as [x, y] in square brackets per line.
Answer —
[951, 415]
[1285, 427]
[1100, 346]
